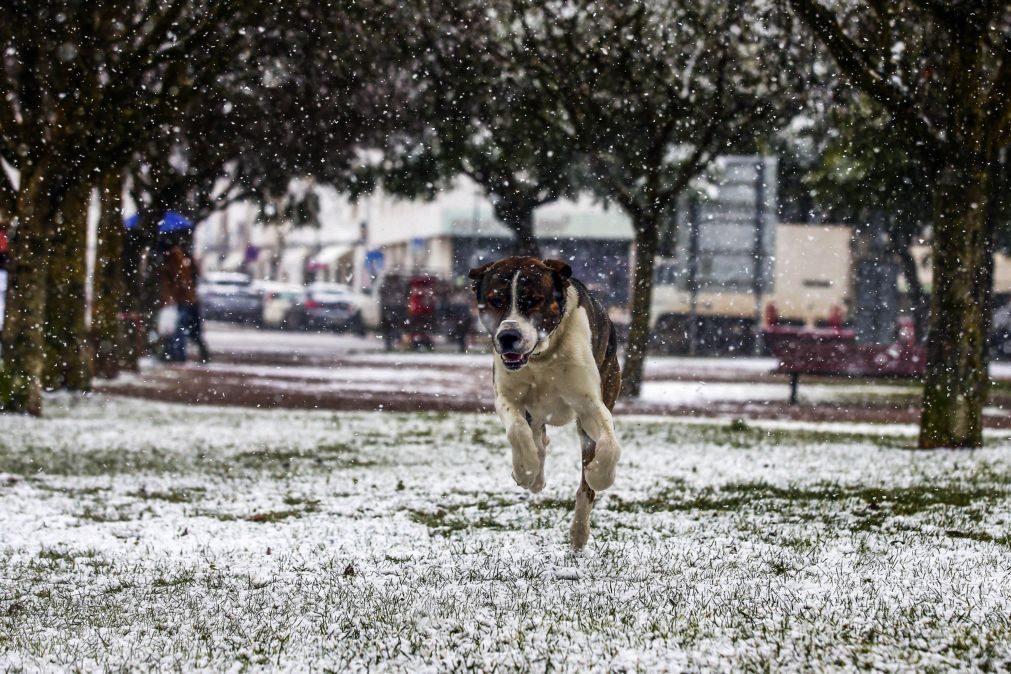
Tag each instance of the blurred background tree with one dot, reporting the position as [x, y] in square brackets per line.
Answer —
[191, 104]
[651, 94]
[941, 72]
[849, 165]
[481, 115]
[82, 84]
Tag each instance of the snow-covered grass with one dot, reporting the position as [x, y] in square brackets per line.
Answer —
[145, 535]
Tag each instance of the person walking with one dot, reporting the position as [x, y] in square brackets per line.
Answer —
[179, 287]
[457, 315]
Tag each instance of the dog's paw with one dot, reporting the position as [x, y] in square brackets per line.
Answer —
[599, 474]
[531, 480]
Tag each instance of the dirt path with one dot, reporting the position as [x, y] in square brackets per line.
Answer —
[446, 382]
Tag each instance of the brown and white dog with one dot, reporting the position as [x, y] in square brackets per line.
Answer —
[556, 361]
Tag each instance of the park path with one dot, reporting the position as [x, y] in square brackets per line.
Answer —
[298, 371]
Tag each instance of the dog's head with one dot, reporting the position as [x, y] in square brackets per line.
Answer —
[521, 301]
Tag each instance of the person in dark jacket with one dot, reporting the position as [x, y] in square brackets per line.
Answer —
[179, 287]
[393, 310]
[458, 317]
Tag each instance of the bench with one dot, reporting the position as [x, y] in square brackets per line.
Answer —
[835, 352]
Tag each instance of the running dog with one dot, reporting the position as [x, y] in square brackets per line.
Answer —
[556, 361]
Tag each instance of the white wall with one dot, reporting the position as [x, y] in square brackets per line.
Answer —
[463, 210]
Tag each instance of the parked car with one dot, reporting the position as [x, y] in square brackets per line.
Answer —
[278, 301]
[229, 296]
[328, 306]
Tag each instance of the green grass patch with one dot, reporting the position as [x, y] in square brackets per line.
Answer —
[445, 522]
[899, 500]
[482, 513]
[104, 514]
[36, 460]
[180, 495]
[980, 536]
[738, 434]
[856, 508]
[275, 515]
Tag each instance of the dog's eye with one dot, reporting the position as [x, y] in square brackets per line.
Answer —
[497, 302]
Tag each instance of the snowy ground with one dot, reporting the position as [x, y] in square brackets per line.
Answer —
[147, 535]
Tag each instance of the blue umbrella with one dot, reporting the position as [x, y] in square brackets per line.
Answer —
[172, 221]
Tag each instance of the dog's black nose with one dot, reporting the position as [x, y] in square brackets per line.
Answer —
[509, 340]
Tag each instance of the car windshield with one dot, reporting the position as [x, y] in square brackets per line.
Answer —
[229, 288]
[330, 296]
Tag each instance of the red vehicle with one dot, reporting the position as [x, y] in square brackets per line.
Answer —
[421, 311]
[421, 306]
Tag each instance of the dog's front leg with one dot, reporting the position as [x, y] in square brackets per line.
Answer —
[526, 459]
[598, 425]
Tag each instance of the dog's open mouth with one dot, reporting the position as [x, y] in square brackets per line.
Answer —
[514, 361]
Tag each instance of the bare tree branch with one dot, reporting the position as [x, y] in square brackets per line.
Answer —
[853, 62]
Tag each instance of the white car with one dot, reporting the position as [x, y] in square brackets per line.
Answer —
[278, 300]
[367, 305]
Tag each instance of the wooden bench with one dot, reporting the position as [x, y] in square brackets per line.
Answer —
[835, 352]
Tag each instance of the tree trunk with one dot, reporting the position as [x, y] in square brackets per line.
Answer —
[916, 295]
[134, 334]
[519, 217]
[957, 378]
[646, 240]
[65, 332]
[22, 351]
[106, 326]
[153, 257]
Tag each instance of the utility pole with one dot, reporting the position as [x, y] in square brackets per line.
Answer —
[757, 282]
[693, 275]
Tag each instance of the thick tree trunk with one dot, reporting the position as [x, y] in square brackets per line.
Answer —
[21, 356]
[133, 326]
[646, 239]
[106, 327]
[65, 332]
[519, 217]
[957, 378]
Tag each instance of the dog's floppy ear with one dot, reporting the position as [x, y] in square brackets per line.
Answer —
[477, 276]
[562, 271]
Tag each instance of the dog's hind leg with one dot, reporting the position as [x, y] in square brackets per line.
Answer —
[579, 533]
